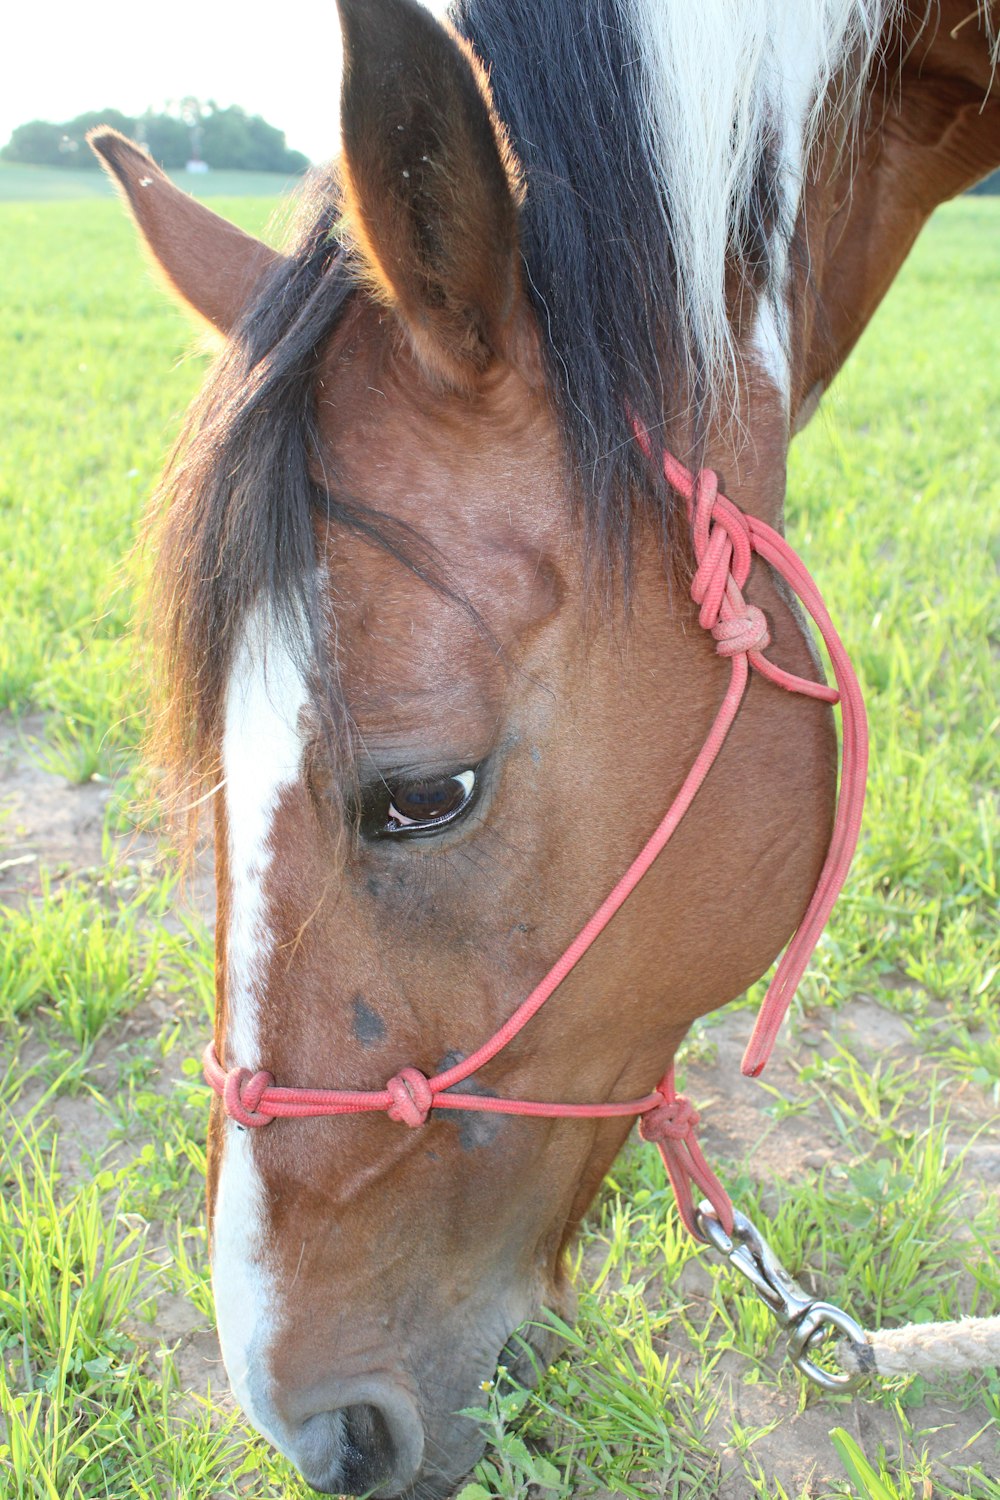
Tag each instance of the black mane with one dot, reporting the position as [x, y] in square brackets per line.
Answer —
[567, 82]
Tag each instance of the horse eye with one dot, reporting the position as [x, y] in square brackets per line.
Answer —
[414, 807]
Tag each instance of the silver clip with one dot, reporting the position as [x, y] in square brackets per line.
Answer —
[807, 1319]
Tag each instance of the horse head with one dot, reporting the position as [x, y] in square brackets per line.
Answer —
[423, 604]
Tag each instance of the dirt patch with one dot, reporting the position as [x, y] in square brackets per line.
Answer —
[193, 1347]
[47, 823]
[80, 1116]
[52, 826]
[198, 1362]
[790, 1454]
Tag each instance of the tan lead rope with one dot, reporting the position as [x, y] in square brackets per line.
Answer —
[925, 1349]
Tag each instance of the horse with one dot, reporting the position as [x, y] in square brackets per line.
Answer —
[425, 638]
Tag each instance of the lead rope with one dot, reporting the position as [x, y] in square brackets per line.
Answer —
[725, 540]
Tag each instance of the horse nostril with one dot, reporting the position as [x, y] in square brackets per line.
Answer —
[368, 1455]
[360, 1449]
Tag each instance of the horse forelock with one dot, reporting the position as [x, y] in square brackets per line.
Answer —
[231, 530]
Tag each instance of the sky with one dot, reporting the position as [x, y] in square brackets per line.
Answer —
[281, 61]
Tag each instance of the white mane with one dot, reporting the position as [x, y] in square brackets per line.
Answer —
[722, 75]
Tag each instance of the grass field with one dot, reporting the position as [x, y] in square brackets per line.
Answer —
[44, 184]
[871, 1148]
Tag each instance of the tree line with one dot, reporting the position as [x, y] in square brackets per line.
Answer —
[224, 138]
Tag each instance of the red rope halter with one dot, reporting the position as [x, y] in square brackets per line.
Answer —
[724, 542]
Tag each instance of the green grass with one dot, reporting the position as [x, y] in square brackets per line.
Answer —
[674, 1383]
[43, 184]
[104, 368]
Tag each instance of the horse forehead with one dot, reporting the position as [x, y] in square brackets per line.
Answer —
[475, 481]
[464, 577]
[437, 458]
[421, 668]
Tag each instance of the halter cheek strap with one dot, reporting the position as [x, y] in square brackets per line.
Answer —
[725, 540]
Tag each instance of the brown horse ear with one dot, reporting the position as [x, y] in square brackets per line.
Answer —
[432, 188]
[213, 266]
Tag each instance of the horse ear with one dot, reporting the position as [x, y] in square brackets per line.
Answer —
[213, 266]
[933, 131]
[432, 187]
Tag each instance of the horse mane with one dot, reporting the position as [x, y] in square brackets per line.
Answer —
[664, 148]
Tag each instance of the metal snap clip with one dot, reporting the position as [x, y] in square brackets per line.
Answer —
[808, 1319]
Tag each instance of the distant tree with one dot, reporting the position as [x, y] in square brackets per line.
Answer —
[166, 137]
[224, 138]
[232, 138]
[36, 142]
[77, 128]
[45, 145]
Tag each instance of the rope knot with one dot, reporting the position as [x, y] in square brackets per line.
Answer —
[745, 631]
[723, 547]
[411, 1096]
[241, 1096]
[673, 1120]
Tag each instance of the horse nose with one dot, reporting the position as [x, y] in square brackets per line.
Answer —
[375, 1446]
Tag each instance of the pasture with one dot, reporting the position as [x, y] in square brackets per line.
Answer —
[19, 182]
[869, 1153]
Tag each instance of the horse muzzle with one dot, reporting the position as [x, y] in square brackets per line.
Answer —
[365, 1439]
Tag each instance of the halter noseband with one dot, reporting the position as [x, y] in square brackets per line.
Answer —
[724, 542]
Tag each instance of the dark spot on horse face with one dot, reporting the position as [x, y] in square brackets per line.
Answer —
[474, 1130]
[367, 1024]
[382, 885]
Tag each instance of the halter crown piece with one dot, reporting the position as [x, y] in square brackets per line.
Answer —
[725, 540]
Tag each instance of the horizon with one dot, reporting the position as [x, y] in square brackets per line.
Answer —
[127, 61]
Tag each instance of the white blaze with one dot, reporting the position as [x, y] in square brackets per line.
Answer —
[262, 758]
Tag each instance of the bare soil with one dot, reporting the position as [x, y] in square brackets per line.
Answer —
[47, 825]
[52, 826]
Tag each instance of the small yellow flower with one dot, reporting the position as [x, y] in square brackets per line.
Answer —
[486, 1385]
